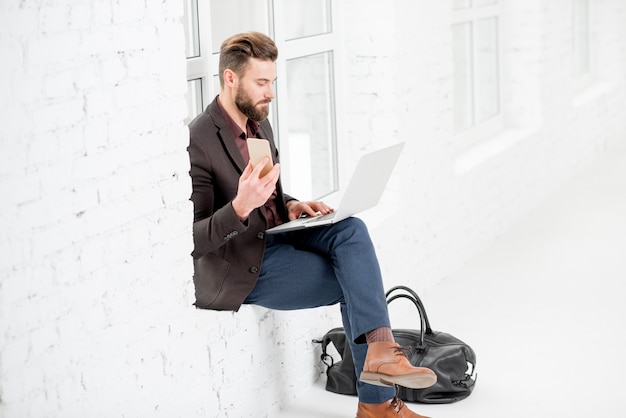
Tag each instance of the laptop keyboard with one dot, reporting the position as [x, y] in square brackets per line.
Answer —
[321, 217]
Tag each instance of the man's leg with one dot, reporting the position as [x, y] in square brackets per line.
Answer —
[349, 248]
[298, 278]
[323, 266]
[370, 394]
[339, 264]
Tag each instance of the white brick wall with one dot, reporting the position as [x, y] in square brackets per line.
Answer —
[95, 273]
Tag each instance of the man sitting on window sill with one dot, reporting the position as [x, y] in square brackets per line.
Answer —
[237, 263]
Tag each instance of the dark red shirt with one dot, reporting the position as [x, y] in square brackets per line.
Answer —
[252, 128]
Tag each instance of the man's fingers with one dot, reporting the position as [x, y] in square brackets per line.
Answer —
[260, 167]
[247, 171]
[271, 177]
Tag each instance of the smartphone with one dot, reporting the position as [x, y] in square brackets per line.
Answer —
[258, 149]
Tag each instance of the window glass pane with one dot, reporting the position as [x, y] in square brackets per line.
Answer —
[236, 16]
[311, 125]
[192, 37]
[478, 3]
[581, 37]
[486, 69]
[460, 4]
[306, 18]
[194, 98]
[462, 61]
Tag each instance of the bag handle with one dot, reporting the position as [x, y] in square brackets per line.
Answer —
[422, 323]
[412, 296]
[325, 356]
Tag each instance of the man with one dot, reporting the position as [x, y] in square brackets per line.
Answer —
[237, 263]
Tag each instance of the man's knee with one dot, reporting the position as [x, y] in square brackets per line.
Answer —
[355, 225]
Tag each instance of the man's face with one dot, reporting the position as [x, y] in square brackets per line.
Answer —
[255, 90]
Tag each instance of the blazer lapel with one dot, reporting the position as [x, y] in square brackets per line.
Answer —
[226, 136]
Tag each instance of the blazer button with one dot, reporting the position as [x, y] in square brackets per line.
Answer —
[260, 235]
[254, 269]
[230, 235]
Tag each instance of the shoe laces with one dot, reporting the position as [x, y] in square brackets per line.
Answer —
[404, 350]
[397, 404]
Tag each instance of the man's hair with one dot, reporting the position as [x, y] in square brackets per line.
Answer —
[236, 51]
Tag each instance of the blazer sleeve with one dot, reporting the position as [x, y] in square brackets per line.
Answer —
[214, 184]
[211, 228]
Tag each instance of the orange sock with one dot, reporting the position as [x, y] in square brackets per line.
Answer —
[382, 334]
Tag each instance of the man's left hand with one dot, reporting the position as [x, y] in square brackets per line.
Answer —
[299, 209]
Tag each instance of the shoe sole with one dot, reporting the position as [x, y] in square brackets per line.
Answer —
[411, 381]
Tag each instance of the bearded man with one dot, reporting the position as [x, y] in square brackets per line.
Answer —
[236, 262]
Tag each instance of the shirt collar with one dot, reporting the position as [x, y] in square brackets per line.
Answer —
[251, 125]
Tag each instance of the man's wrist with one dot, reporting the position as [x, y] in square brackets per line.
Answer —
[240, 212]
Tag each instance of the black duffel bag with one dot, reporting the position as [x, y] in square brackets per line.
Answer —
[340, 375]
[452, 360]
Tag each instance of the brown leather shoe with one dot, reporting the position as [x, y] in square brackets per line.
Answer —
[390, 409]
[387, 365]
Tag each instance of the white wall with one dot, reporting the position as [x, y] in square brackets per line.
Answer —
[95, 273]
[450, 202]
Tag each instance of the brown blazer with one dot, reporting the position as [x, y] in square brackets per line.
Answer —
[227, 253]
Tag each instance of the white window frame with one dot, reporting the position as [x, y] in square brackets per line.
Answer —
[205, 68]
[477, 132]
[199, 67]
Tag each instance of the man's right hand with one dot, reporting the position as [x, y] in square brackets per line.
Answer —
[253, 190]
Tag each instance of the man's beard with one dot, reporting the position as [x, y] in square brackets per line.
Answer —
[245, 106]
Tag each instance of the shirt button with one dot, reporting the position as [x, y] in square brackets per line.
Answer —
[254, 269]
[260, 235]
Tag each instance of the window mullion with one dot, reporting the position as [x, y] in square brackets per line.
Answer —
[474, 95]
[209, 61]
[281, 130]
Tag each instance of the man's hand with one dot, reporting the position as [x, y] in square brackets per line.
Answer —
[253, 190]
[298, 209]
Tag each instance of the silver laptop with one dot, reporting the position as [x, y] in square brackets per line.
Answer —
[363, 192]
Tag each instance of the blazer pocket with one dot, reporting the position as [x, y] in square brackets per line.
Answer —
[209, 277]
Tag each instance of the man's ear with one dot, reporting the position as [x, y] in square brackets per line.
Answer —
[229, 77]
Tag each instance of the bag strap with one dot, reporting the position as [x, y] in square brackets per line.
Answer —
[338, 339]
[325, 356]
[412, 296]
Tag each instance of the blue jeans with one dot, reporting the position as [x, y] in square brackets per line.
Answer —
[324, 266]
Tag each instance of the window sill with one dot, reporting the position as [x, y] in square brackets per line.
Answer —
[591, 93]
[483, 151]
